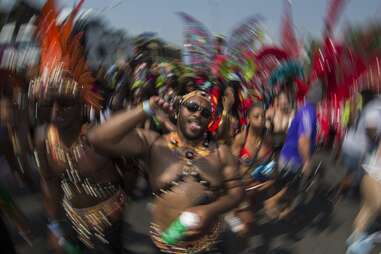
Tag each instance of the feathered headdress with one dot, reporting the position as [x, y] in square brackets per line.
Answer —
[63, 69]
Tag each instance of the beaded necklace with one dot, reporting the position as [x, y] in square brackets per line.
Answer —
[188, 154]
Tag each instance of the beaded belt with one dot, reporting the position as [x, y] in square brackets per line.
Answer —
[207, 242]
[92, 223]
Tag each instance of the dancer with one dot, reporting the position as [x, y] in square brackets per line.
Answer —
[253, 148]
[88, 185]
[278, 119]
[295, 156]
[188, 172]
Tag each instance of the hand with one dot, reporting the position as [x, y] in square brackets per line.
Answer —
[227, 102]
[205, 217]
[162, 111]
[160, 105]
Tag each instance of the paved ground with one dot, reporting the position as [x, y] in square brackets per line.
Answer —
[322, 227]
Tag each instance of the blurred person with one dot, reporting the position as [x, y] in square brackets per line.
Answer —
[83, 181]
[188, 171]
[254, 149]
[79, 185]
[278, 120]
[362, 240]
[229, 124]
[77, 177]
[357, 142]
[295, 156]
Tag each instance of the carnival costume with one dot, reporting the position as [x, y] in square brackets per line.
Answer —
[65, 74]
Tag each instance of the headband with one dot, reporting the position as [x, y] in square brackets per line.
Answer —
[194, 93]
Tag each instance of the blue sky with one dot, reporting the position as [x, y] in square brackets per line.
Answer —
[220, 16]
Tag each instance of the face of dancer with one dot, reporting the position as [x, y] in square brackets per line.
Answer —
[66, 111]
[193, 118]
[283, 102]
[257, 118]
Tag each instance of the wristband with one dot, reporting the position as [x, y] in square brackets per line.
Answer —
[147, 108]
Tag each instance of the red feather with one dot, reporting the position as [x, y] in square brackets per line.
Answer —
[60, 47]
[288, 37]
[334, 10]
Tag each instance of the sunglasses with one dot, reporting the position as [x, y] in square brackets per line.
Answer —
[194, 107]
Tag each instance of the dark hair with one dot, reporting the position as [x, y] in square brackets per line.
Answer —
[181, 89]
[256, 104]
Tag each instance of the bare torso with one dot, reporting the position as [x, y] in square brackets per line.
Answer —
[92, 168]
[166, 164]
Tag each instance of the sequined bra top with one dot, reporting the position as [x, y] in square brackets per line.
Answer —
[73, 182]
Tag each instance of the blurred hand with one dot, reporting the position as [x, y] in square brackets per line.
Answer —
[227, 102]
[162, 111]
[159, 105]
[205, 218]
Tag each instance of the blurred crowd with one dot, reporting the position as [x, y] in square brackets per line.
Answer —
[232, 130]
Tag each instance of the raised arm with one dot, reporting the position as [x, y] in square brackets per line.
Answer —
[225, 124]
[120, 136]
